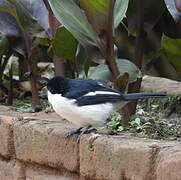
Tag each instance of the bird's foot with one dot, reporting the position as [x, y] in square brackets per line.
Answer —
[81, 131]
[74, 131]
[86, 130]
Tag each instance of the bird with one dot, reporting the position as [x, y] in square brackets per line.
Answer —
[86, 102]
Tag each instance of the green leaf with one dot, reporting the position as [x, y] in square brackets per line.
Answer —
[120, 9]
[42, 41]
[7, 7]
[8, 23]
[73, 18]
[169, 26]
[120, 129]
[175, 13]
[152, 11]
[64, 44]
[122, 82]
[171, 6]
[97, 13]
[101, 72]
[38, 11]
[137, 121]
[172, 50]
[23, 16]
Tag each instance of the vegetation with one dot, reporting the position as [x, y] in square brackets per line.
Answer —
[157, 119]
[112, 40]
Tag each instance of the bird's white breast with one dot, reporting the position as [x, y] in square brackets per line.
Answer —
[95, 115]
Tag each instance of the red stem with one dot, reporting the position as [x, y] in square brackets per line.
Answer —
[139, 52]
[54, 23]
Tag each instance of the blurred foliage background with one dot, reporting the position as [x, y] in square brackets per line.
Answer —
[112, 40]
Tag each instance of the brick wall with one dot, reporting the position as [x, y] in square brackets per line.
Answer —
[37, 149]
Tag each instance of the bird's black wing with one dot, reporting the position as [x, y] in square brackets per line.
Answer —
[79, 89]
[98, 99]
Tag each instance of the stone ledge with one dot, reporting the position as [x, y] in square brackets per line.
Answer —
[119, 157]
[44, 142]
[95, 157]
[6, 136]
[168, 163]
[35, 172]
[11, 170]
[157, 84]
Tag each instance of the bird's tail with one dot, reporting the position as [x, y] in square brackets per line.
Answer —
[135, 96]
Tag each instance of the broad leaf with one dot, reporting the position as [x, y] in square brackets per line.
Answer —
[9, 25]
[178, 5]
[152, 11]
[170, 22]
[172, 50]
[73, 18]
[38, 11]
[102, 72]
[173, 11]
[94, 54]
[64, 44]
[168, 25]
[23, 16]
[120, 9]
[97, 13]
[122, 82]
[42, 41]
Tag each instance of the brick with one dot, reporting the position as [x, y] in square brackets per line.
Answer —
[168, 164]
[6, 136]
[115, 158]
[44, 142]
[44, 174]
[11, 170]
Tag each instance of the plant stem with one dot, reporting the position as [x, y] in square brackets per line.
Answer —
[110, 55]
[139, 52]
[10, 88]
[60, 65]
[22, 66]
[32, 66]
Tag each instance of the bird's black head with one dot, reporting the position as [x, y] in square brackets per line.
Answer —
[58, 85]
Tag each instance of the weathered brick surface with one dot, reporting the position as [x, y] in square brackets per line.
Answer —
[11, 170]
[168, 164]
[6, 136]
[116, 158]
[100, 157]
[44, 142]
[36, 173]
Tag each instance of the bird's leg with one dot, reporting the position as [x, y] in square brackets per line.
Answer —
[74, 131]
[86, 130]
[80, 131]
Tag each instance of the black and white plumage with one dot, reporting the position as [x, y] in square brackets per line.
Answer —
[88, 102]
